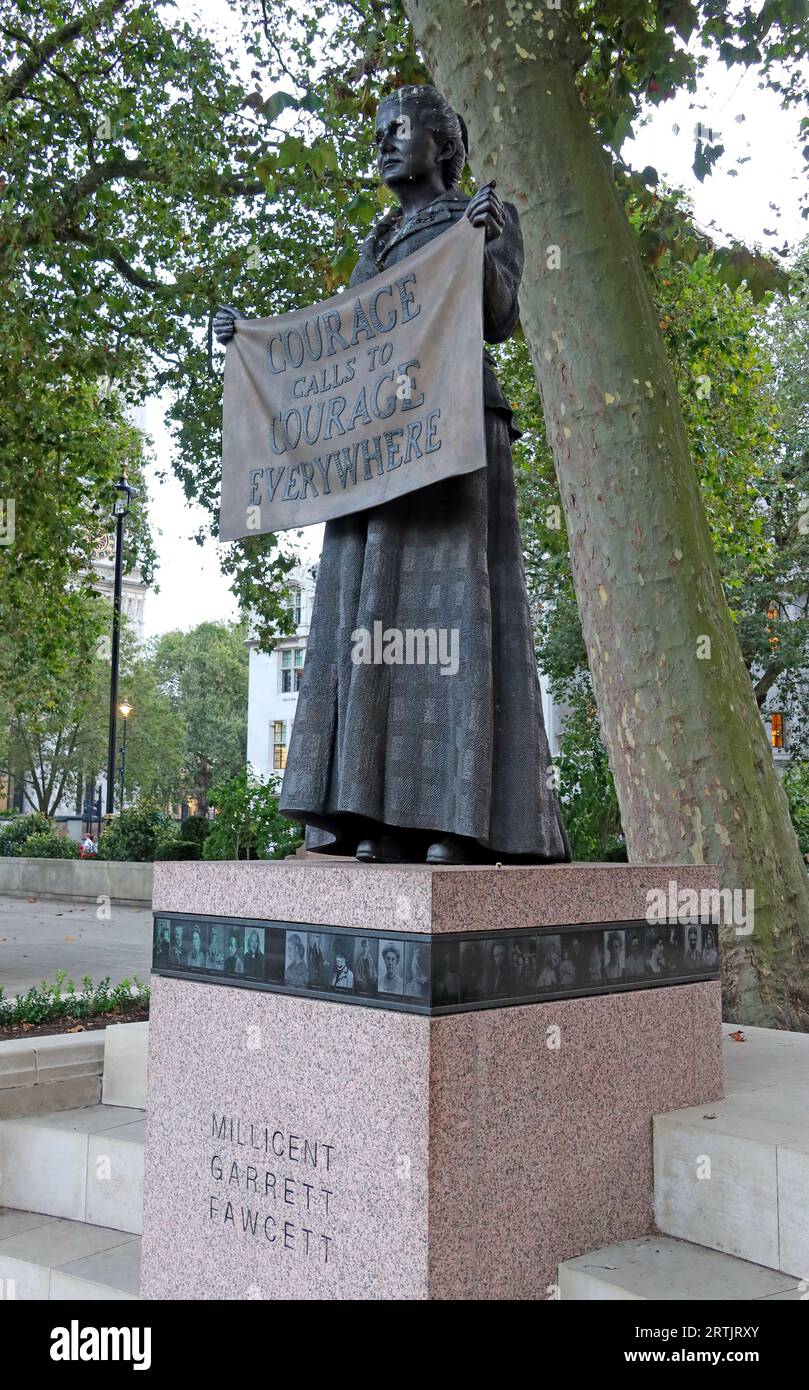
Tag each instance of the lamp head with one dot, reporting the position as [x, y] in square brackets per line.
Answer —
[125, 494]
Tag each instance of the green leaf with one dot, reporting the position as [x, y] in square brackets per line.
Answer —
[292, 153]
[705, 156]
[322, 156]
[278, 102]
[621, 130]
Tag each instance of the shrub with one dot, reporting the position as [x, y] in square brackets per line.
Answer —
[249, 824]
[49, 846]
[587, 791]
[196, 829]
[14, 835]
[136, 833]
[177, 849]
[45, 1003]
[796, 786]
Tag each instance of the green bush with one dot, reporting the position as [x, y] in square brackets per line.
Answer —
[136, 833]
[50, 846]
[796, 786]
[46, 1003]
[196, 829]
[587, 792]
[14, 835]
[177, 849]
[249, 824]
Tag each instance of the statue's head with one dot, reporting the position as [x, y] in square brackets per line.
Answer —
[418, 138]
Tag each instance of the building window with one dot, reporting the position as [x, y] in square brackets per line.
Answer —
[279, 745]
[293, 604]
[777, 731]
[292, 660]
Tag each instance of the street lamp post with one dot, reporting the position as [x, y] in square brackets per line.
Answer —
[120, 511]
[124, 709]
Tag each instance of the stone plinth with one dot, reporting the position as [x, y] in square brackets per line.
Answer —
[452, 1129]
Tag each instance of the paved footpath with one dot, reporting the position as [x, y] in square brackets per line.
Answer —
[38, 938]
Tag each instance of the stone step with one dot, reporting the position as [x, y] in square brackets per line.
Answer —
[43, 1257]
[658, 1268]
[125, 1052]
[58, 1071]
[85, 1165]
[734, 1175]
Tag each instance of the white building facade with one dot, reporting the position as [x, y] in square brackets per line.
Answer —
[275, 679]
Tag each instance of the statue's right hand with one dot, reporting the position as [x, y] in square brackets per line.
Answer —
[224, 323]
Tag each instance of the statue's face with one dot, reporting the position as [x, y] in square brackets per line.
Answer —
[406, 149]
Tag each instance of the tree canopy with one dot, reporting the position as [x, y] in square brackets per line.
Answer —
[152, 171]
[740, 371]
[204, 675]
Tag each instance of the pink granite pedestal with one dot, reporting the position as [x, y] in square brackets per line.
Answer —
[304, 1148]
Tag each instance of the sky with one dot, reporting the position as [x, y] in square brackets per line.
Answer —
[756, 201]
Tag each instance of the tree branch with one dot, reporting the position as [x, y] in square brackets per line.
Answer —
[102, 250]
[146, 171]
[30, 67]
[110, 169]
[66, 767]
[31, 767]
[762, 687]
[52, 765]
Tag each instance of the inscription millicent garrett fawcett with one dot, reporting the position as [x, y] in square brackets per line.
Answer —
[273, 1185]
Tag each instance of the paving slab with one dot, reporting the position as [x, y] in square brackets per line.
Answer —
[658, 1268]
[39, 938]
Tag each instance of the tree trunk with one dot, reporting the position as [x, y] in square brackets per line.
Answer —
[202, 786]
[692, 765]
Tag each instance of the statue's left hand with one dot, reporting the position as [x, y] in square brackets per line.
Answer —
[224, 323]
[486, 210]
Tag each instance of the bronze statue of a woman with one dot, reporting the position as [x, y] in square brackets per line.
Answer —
[406, 762]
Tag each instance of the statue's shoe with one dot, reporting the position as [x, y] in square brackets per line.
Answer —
[448, 851]
[384, 851]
